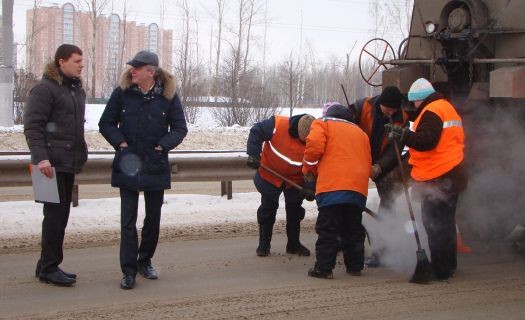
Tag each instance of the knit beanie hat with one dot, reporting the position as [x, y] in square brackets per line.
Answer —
[420, 90]
[303, 127]
[390, 97]
[340, 112]
[328, 105]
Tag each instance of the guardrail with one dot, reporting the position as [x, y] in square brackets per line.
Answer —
[186, 166]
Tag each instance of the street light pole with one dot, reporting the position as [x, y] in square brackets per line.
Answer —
[6, 65]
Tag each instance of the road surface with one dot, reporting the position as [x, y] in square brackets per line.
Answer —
[220, 277]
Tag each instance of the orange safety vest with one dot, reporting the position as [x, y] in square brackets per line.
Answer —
[366, 121]
[448, 153]
[282, 153]
[339, 152]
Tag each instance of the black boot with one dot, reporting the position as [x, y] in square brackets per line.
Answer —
[265, 237]
[294, 246]
[56, 278]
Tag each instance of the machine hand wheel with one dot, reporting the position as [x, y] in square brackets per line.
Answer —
[374, 57]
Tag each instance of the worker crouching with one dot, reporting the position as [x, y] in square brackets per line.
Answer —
[338, 154]
[277, 143]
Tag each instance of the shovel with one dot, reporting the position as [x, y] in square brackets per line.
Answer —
[423, 271]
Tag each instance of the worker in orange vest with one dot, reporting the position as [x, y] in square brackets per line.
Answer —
[372, 113]
[338, 154]
[436, 155]
[278, 143]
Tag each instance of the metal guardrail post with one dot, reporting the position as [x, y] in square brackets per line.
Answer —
[227, 188]
[74, 195]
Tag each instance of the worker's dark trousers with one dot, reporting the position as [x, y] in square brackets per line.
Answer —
[130, 252]
[342, 220]
[270, 202]
[54, 225]
[439, 221]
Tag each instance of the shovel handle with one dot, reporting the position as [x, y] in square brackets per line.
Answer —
[298, 187]
[405, 189]
[280, 176]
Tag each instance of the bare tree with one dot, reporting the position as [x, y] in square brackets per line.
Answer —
[237, 75]
[123, 40]
[189, 68]
[290, 75]
[30, 36]
[220, 21]
[95, 9]
[23, 82]
[391, 13]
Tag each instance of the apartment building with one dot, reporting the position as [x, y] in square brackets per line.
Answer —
[116, 43]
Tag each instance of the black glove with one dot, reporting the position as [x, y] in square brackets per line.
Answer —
[308, 191]
[395, 132]
[254, 162]
[308, 194]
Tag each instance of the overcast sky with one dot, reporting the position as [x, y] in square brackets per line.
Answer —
[329, 27]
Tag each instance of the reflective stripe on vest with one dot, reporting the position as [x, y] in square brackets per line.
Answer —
[282, 153]
[283, 157]
[448, 153]
[452, 123]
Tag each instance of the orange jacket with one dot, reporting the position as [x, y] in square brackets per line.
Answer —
[282, 153]
[339, 152]
[448, 153]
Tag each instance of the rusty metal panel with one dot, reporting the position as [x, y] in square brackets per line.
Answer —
[403, 77]
[508, 82]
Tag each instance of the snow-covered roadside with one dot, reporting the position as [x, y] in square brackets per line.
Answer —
[24, 218]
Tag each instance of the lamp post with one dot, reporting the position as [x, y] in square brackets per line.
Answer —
[6, 65]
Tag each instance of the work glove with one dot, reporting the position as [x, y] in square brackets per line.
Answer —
[308, 194]
[308, 191]
[376, 171]
[395, 132]
[254, 162]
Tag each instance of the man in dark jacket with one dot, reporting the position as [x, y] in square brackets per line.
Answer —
[436, 155]
[372, 115]
[54, 131]
[143, 121]
[278, 144]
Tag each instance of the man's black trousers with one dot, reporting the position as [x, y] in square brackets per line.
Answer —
[54, 225]
[439, 220]
[130, 252]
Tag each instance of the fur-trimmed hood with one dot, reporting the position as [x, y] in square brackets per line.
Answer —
[52, 72]
[164, 78]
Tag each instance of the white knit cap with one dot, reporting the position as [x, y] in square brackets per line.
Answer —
[420, 90]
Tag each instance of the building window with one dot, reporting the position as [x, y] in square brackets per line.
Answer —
[68, 12]
[153, 37]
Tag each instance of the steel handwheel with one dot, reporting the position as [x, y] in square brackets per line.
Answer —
[374, 57]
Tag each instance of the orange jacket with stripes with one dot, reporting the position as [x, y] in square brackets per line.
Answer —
[428, 165]
[282, 153]
[338, 152]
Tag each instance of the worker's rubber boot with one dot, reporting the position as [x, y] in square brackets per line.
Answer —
[294, 246]
[265, 237]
